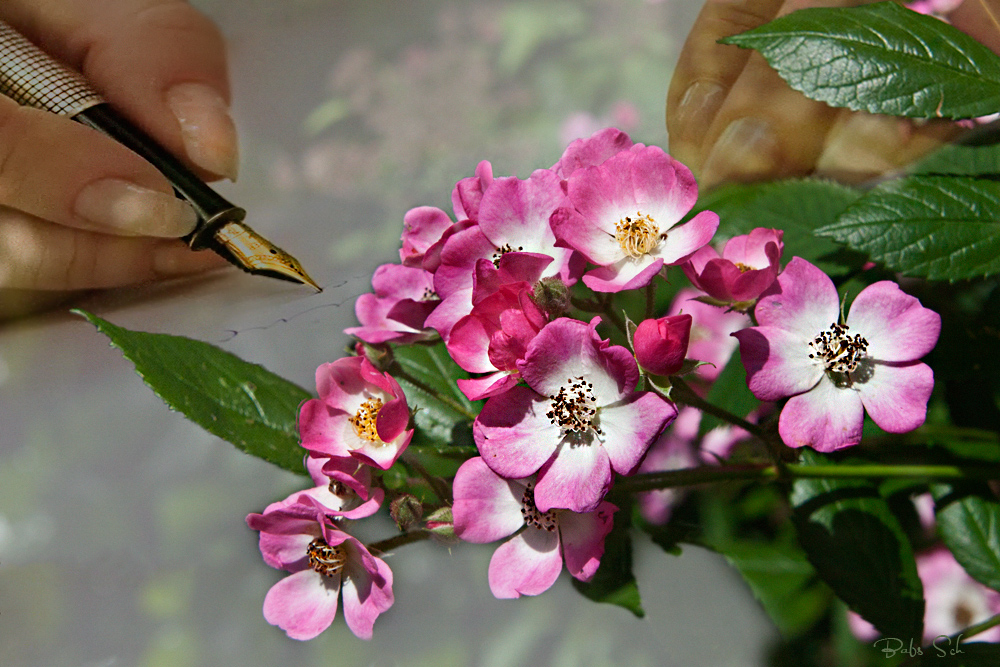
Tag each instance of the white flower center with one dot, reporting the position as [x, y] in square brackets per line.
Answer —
[838, 350]
[363, 420]
[326, 560]
[638, 235]
[532, 517]
[574, 408]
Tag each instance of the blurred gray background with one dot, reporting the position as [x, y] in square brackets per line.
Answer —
[122, 535]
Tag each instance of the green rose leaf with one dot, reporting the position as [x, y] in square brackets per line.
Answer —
[858, 547]
[442, 414]
[729, 391]
[798, 207]
[880, 58]
[937, 227]
[235, 400]
[968, 520]
[781, 578]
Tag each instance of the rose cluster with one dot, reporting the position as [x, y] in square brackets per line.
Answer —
[565, 409]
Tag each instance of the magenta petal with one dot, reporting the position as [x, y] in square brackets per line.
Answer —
[487, 507]
[582, 538]
[626, 274]
[513, 434]
[392, 419]
[894, 323]
[803, 300]
[576, 478]
[592, 151]
[568, 348]
[476, 389]
[896, 396]
[527, 564]
[777, 362]
[826, 418]
[366, 595]
[422, 227]
[682, 241]
[303, 604]
[468, 345]
[630, 427]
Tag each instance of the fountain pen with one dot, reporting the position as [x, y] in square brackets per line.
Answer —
[32, 78]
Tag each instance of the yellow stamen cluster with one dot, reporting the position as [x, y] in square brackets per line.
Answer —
[638, 235]
[364, 420]
[326, 560]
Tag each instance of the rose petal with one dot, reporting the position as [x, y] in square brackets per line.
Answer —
[894, 323]
[487, 507]
[827, 418]
[527, 564]
[896, 396]
[303, 604]
[582, 538]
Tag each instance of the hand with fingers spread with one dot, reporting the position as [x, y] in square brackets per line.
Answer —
[78, 210]
[730, 117]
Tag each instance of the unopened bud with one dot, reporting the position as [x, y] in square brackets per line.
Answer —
[406, 510]
[441, 526]
[552, 296]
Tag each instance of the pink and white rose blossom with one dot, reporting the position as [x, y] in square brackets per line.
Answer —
[488, 508]
[577, 422]
[325, 563]
[360, 413]
[834, 371]
[403, 298]
[748, 265]
[623, 216]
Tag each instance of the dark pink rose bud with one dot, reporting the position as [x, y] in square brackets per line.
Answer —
[661, 345]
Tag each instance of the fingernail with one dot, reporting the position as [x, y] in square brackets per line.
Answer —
[207, 128]
[179, 260]
[697, 109]
[746, 149]
[131, 209]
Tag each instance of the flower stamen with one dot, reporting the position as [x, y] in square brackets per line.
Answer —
[327, 560]
[363, 420]
[503, 250]
[574, 408]
[638, 235]
[532, 517]
[838, 350]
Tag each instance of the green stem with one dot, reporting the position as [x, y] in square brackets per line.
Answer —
[682, 393]
[952, 641]
[768, 472]
[983, 626]
[650, 298]
[400, 540]
[400, 372]
[438, 485]
[609, 312]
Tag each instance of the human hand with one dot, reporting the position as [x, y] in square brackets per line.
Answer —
[730, 117]
[77, 209]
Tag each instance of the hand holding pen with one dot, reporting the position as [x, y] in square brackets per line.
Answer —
[77, 209]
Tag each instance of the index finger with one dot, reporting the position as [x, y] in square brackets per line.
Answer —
[160, 62]
[706, 70]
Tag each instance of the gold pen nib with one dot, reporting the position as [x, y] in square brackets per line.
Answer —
[255, 254]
